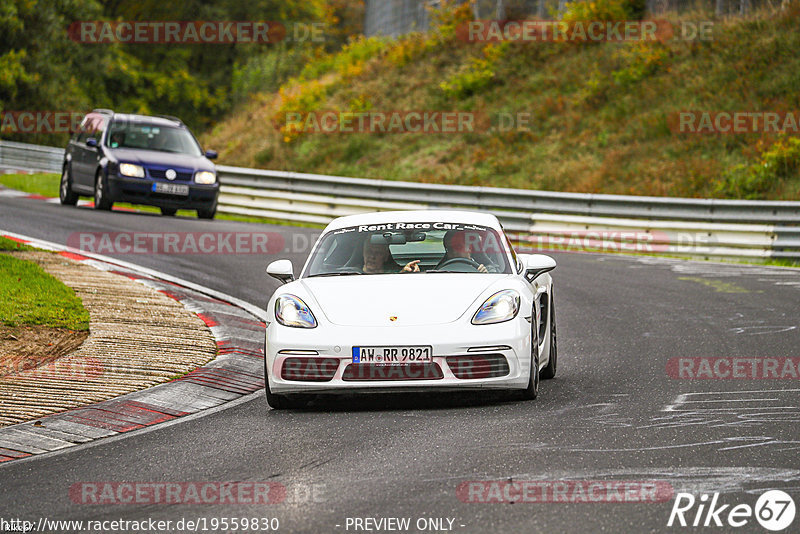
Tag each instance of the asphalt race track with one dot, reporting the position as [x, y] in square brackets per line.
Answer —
[612, 413]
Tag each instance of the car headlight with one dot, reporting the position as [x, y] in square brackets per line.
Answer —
[500, 307]
[292, 311]
[129, 169]
[205, 177]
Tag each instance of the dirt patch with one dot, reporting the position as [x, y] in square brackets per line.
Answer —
[30, 347]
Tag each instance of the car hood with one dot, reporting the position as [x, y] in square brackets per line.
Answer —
[162, 159]
[414, 299]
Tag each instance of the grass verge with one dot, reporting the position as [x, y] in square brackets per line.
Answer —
[31, 297]
[44, 184]
[9, 245]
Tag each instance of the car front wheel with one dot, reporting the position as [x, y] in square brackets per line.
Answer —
[65, 193]
[550, 369]
[101, 196]
[532, 391]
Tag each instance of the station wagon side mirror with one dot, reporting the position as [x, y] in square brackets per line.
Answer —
[281, 270]
[91, 142]
[536, 265]
[211, 154]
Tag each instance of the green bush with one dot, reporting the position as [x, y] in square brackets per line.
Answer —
[639, 60]
[352, 55]
[477, 75]
[782, 160]
[779, 163]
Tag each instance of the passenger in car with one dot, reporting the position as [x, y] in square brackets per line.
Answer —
[376, 256]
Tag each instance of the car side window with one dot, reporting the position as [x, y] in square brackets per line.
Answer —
[94, 128]
[80, 135]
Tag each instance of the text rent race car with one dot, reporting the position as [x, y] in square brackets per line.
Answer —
[410, 300]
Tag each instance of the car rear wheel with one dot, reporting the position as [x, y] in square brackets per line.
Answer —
[101, 197]
[550, 369]
[65, 193]
[168, 212]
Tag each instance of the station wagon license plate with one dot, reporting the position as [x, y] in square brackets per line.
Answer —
[171, 189]
[393, 355]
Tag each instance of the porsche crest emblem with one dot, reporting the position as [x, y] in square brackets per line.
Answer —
[393, 318]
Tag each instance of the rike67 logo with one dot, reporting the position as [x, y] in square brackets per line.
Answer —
[774, 510]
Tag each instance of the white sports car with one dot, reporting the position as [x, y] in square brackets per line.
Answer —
[410, 300]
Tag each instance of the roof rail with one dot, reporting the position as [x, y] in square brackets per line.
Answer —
[170, 117]
[103, 110]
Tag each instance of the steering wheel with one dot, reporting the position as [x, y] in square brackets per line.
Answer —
[463, 261]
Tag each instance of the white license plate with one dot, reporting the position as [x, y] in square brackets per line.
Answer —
[171, 189]
[393, 355]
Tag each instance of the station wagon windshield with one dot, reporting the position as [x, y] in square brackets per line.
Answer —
[143, 136]
[420, 247]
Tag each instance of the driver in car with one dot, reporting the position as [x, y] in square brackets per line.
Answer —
[376, 256]
[117, 139]
[457, 244]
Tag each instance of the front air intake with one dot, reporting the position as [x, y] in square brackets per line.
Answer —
[309, 369]
[477, 366]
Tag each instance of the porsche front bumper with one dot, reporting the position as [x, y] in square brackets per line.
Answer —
[465, 356]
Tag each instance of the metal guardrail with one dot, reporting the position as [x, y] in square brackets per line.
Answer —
[541, 220]
[26, 157]
[520, 200]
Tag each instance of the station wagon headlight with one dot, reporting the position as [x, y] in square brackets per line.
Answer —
[292, 311]
[129, 169]
[500, 307]
[205, 178]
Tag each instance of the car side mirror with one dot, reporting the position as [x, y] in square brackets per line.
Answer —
[281, 270]
[91, 142]
[211, 154]
[536, 265]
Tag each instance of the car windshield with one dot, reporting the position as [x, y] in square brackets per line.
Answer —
[426, 247]
[144, 136]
